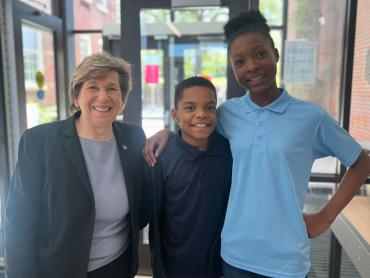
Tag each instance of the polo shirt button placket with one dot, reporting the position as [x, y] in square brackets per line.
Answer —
[201, 164]
[261, 133]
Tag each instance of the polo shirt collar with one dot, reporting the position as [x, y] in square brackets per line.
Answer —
[191, 153]
[279, 105]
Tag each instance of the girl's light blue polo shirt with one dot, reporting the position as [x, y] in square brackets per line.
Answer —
[273, 150]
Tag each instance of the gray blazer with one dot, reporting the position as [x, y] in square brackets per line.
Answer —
[50, 210]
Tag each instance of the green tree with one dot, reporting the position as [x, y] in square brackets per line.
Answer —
[305, 20]
[272, 10]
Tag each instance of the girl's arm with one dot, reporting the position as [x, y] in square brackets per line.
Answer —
[318, 223]
[160, 138]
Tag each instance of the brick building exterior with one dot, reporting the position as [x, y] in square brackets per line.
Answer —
[360, 105]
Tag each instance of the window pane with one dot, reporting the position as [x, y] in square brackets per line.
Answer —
[152, 90]
[173, 51]
[273, 11]
[360, 102]
[210, 60]
[210, 14]
[278, 40]
[92, 15]
[86, 44]
[313, 57]
[154, 16]
[39, 73]
[314, 49]
[42, 5]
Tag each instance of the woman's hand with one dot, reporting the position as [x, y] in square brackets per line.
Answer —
[316, 224]
[161, 139]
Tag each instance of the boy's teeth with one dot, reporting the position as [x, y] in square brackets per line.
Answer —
[200, 125]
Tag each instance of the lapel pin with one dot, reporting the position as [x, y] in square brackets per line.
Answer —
[124, 147]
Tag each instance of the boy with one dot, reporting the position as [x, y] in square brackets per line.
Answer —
[191, 183]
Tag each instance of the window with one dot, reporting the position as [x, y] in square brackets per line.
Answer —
[85, 46]
[207, 14]
[360, 102]
[102, 4]
[273, 11]
[313, 58]
[88, 24]
[32, 52]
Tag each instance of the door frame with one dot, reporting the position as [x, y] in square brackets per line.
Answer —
[4, 162]
[24, 12]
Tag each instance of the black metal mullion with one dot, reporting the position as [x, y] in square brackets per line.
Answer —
[344, 109]
[21, 90]
[284, 31]
[4, 161]
[65, 12]
[60, 79]
[88, 31]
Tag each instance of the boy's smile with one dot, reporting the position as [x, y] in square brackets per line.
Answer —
[196, 115]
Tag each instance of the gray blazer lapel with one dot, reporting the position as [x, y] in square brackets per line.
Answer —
[72, 146]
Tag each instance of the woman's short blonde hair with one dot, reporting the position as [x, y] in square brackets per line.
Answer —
[97, 66]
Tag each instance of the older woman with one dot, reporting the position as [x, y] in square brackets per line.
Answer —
[76, 199]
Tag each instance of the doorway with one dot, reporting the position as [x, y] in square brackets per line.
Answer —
[40, 67]
[177, 44]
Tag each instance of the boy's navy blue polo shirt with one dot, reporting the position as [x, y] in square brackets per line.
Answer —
[190, 194]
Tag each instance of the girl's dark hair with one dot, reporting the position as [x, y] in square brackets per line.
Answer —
[251, 21]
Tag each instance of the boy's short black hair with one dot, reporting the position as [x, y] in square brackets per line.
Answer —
[251, 21]
[191, 82]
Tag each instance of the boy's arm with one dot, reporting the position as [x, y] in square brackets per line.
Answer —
[318, 223]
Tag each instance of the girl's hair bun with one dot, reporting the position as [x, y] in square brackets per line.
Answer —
[251, 21]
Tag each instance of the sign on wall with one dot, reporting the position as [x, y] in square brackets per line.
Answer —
[151, 74]
[300, 63]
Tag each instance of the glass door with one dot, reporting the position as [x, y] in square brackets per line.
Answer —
[39, 74]
[177, 44]
[40, 71]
